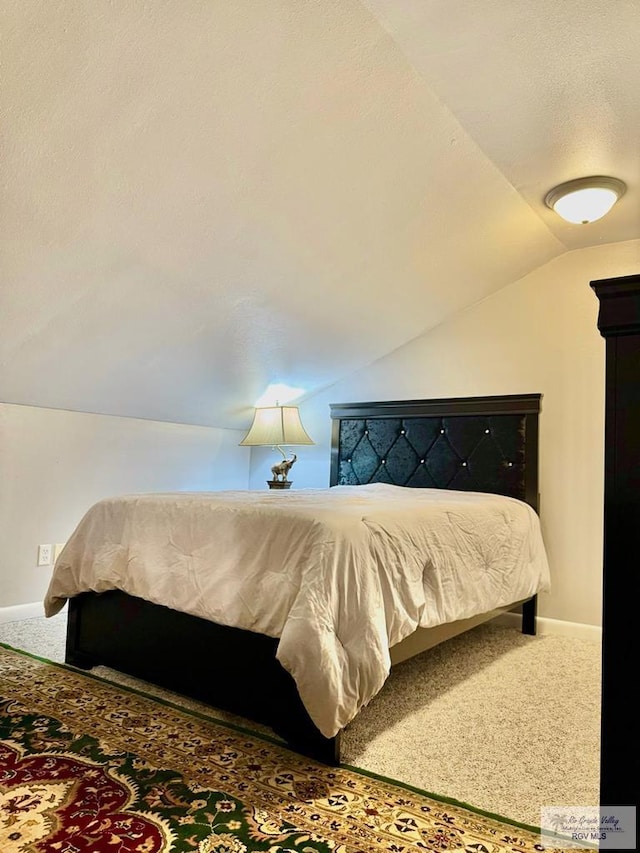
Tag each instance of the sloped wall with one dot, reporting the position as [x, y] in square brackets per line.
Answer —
[539, 334]
[55, 464]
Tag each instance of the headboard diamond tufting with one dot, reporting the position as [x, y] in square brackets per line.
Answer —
[484, 444]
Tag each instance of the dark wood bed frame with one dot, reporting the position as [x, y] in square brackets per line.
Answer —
[487, 444]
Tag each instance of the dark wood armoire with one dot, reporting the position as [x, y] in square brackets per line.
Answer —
[619, 323]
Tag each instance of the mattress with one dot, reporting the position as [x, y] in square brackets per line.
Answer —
[339, 575]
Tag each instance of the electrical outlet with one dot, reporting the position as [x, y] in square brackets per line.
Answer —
[44, 555]
[57, 548]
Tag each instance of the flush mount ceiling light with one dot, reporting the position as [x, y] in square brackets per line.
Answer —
[585, 199]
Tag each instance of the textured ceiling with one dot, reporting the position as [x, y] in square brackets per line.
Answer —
[200, 198]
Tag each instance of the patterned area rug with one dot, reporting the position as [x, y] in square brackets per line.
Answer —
[86, 765]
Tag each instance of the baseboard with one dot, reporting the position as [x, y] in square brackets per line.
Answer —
[544, 625]
[18, 612]
[580, 631]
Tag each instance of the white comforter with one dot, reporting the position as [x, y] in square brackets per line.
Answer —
[339, 575]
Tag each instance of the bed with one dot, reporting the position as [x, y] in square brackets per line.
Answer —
[264, 652]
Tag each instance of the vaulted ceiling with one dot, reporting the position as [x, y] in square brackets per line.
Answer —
[201, 197]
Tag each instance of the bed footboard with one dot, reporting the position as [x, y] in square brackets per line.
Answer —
[227, 668]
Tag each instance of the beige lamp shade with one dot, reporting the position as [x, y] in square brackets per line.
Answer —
[276, 425]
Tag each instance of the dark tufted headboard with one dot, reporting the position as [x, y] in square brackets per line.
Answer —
[481, 444]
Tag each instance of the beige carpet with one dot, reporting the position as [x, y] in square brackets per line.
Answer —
[503, 722]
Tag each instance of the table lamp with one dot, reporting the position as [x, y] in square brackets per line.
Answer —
[276, 426]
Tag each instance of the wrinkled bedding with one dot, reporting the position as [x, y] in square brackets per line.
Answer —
[339, 575]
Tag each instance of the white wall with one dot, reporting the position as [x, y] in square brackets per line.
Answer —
[55, 464]
[539, 334]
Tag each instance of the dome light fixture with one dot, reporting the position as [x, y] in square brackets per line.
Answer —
[585, 199]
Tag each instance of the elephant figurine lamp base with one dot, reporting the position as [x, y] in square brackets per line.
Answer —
[280, 472]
